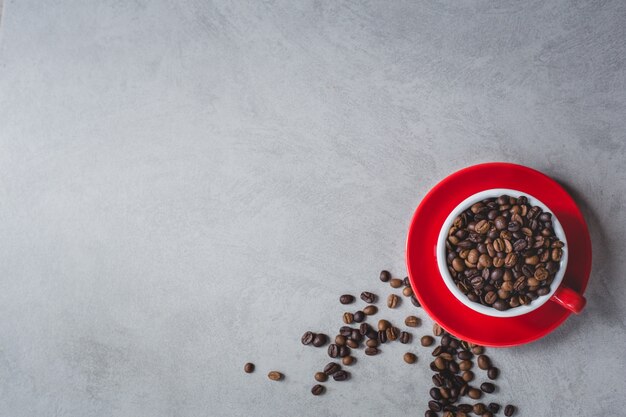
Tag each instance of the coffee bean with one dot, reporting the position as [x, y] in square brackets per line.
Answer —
[275, 375]
[509, 410]
[415, 301]
[435, 394]
[487, 414]
[307, 338]
[382, 336]
[383, 325]
[406, 282]
[440, 363]
[437, 351]
[345, 331]
[491, 297]
[318, 389]
[412, 321]
[348, 318]
[359, 316]
[407, 291]
[465, 355]
[427, 340]
[333, 350]
[493, 372]
[340, 340]
[500, 305]
[368, 297]
[468, 376]
[435, 405]
[430, 413]
[320, 340]
[484, 362]
[370, 310]
[393, 301]
[465, 408]
[248, 368]
[487, 387]
[494, 407]
[385, 276]
[395, 283]
[348, 360]
[474, 393]
[321, 377]
[479, 408]
[371, 351]
[437, 330]
[331, 368]
[346, 299]
[465, 365]
[392, 333]
[341, 375]
[351, 343]
[344, 351]
[372, 343]
[410, 357]
[405, 337]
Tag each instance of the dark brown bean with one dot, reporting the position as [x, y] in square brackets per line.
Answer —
[415, 301]
[331, 368]
[307, 338]
[371, 351]
[484, 362]
[474, 393]
[509, 410]
[395, 282]
[494, 407]
[320, 340]
[341, 375]
[348, 360]
[333, 350]
[405, 337]
[346, 299]
[368, 297]
[487, 387]
[393, 301]
[317, 389]
[359, 316]
[321, 377]
[427, 340]
[412, 321]
[392, 333]
[385, 276]
[479, 408]
[410, 357]
[493, 372]
[248, 368]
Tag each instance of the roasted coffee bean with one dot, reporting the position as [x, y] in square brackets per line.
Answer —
[392, 333]
[435, 394]
[406, 282]
[438, 380]
[348, 318]
[465, 408]
[500, 305]
[412, 321]
[435, 405]
[407, 291]
[307, 338]
[320, 340]
[494, 407]
[474, 393]
[318, 389]
[487, 414]
[440, 363]
[340, 340]
[491, 297]
[468, 376]
[351, 343]
[370, 310]
[453, 367]
[383, 324]
[333, 350]
[509, 410]
[341, 375]
[275, 375]
[345, 331]
[348, 360]
[437, 351]
[484, 362]
[405, 337]
[356, 335]
[346, 299]
[372, 343]
[465, 365]
[493, 372]
[395, 282]
[382, 336]
[393, 301]
[410, 357]
[430, 413]
[368, 297]
[478, 350]
[479, 408]
[465, 355]
[437, 330]
[427, 340]
[331, 368]
[359, 316]
[371, 351]
[385, 276]
[487, 387]
[415, 301]
[248, 368]
[344, 351]
[321, 377]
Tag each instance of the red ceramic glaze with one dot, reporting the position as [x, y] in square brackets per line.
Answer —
[439, 302]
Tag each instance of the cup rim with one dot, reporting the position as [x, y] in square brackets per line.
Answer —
[443, 266]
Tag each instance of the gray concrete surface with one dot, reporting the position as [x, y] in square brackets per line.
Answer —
[187, 186]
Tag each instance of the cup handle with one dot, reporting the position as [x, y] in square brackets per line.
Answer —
[569, 299]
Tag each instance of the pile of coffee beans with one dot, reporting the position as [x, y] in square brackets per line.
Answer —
[452, 363]
[503, 252]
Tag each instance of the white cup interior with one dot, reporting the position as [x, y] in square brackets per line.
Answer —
[443, 266]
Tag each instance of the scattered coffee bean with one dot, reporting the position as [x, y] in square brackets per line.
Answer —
[479, 408]
[430, 413]
[478, 350]
[484, 362]
[382, 336]
[331, 368]
[393, 301]
[275, 375]
[333, 350]
[307, 338]
[383, 325]
[346, 299]
[345, 331]
[493, 372]
[474, 393]
[359, 316]
[405, 337]
[348, 360]
[465, 355]
[341, 375]
[509, 410]
[435, 394]
[372, 343]
[321, 377]
[395, 283]
[487, 387]
[320, 340]
[410, 357]
[368, 297]
[352, 344]
[494, 407]
[415, 301]
[437, 330]
[412, 321]
[340, 340]
[348, 318]
[407, 291]
[435, 405]
[392, 333]
[344, 351]
[370, 310]
[465, 408]
[248, 368]
[371, 351]
[427, 340]
[468, 376]
[318, 389]
[385, 276]
[465, 365]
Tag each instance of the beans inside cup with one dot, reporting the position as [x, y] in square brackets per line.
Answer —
[503, 252]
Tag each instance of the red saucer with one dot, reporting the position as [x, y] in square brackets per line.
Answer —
[428, 284]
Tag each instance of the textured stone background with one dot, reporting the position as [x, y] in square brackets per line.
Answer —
[186, 186]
